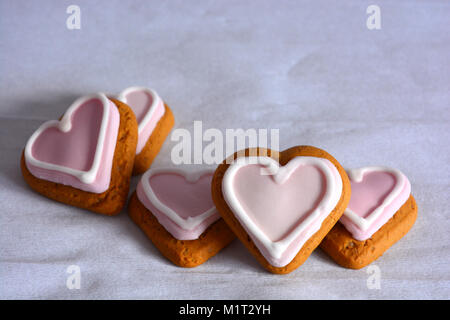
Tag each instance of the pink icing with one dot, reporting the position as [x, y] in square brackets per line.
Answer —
[277, 209]
[82, 139]
[76, 148]
[368, 195]
[188, 199]
[140, 101]
[277, 204]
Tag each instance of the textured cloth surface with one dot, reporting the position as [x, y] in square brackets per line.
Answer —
[313, 70]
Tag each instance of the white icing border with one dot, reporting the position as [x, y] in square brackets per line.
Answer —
[281, 174]
[191, 222]
[65, 125]
[156, 100]
[357, 175]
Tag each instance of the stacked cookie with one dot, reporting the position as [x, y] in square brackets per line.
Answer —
[86, 158]
[280, 205]
[284, 205]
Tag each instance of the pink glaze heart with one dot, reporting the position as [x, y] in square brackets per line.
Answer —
[277, 208]
[370, 193]
[377, 193]
[180, 201]
[281, 211]
[77, 150]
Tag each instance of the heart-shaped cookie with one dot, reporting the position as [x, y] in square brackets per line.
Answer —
[148, 108]
[377, 193]
[175, 210]
[78, 149]
[74, 159]
[155, 119]
[281, 210]
[380, 212]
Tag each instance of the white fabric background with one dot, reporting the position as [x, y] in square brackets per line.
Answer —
[311, 69]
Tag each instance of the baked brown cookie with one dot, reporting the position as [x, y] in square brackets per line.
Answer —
[86, 158]
[281, 205]
[155, 120]
[175, 211]
[381, 211]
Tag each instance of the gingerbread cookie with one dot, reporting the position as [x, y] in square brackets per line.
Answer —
[155, 120]
[86, 158]
[281, 205]
[175, 210]
[381, 211]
